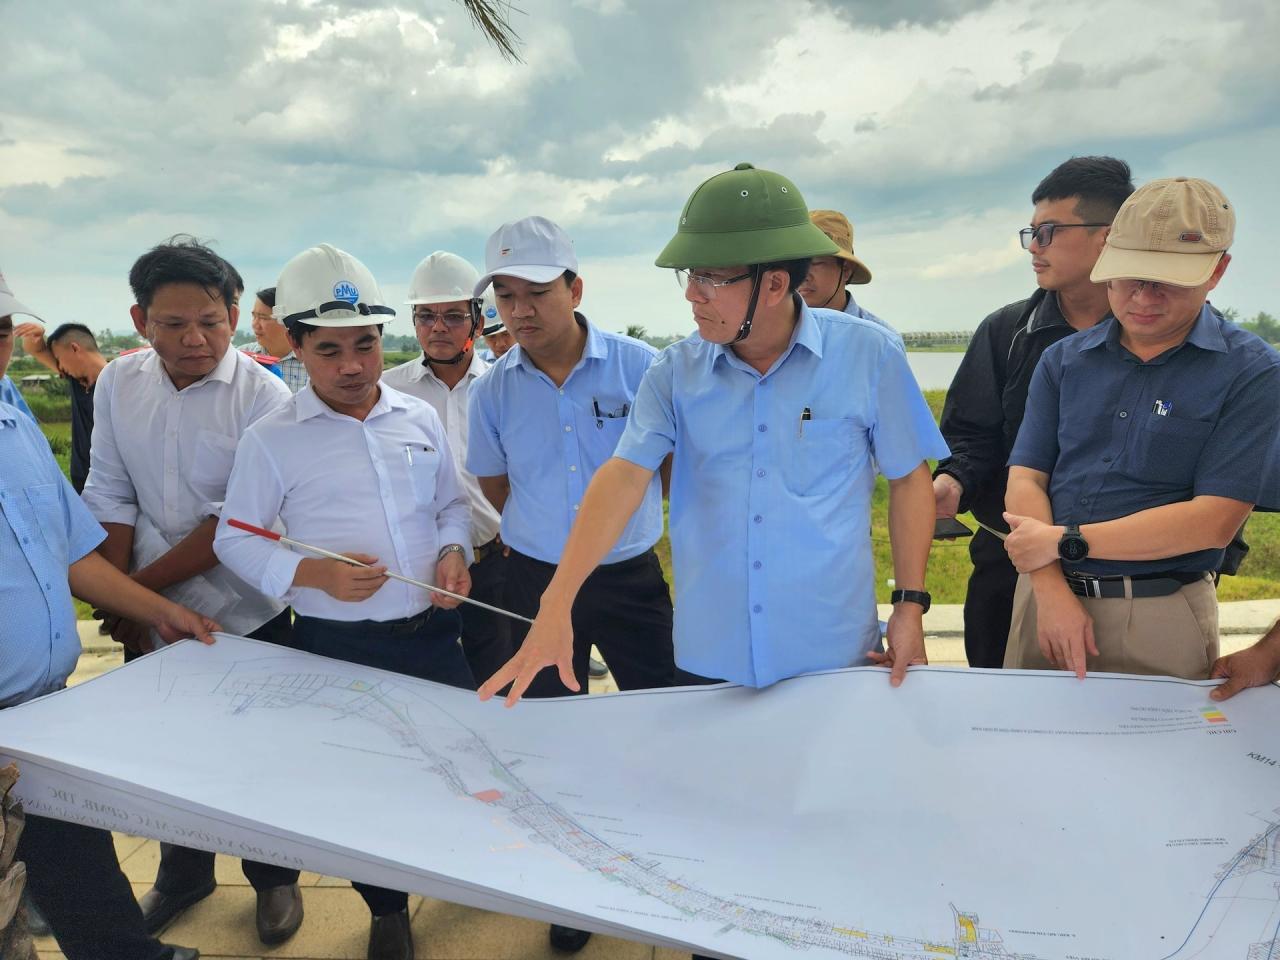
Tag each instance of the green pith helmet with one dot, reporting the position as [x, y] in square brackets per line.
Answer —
[744, 216]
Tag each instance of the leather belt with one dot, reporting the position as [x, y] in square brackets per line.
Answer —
[1140, 586]
[485, 549]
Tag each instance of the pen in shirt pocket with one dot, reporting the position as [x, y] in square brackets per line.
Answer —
[805, 416]
[408, 451]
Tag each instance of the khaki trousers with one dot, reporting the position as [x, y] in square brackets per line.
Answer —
[1174, 636]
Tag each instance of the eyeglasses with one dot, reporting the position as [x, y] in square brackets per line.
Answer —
[706, 286]
[1043, 234]
[1131, 288]
[454, 319]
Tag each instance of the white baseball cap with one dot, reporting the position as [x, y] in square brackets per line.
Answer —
[328, 287]
[9, 304]
[533, 249]
[442, 278]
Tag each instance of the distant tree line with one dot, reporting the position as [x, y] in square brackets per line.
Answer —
[1263, 324]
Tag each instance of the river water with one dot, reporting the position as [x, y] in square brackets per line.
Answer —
[934, 370]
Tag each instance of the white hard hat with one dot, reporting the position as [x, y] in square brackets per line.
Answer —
[328, 287]
[442, 278]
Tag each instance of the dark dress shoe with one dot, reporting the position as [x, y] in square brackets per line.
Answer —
[390, 937]
[183, 953]
[279, 913]
[596, 670]
[568, 939]
[161, 909]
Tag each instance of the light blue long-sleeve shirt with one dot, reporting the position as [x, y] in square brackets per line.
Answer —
[771, 512]
[44, 528]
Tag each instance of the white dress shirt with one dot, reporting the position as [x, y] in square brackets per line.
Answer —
[384, 486]
[417, 379]
[160, 459]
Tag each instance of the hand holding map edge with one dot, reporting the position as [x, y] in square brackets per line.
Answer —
[905, 644]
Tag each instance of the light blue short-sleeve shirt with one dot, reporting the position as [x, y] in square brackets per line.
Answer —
[44, 528]
[771, 512]
[549, 441]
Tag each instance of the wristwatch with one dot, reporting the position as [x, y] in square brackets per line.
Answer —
[1072, 547]
[451, 548]
[912, 596]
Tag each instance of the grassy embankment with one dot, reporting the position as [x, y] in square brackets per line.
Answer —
[949, 565]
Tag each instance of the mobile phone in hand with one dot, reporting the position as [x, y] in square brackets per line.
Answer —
[948, 528]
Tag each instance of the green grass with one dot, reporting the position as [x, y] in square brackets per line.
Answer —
[949, 565]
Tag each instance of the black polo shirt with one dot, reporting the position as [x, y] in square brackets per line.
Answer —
[81, 432]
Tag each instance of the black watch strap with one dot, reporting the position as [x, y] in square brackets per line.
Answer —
[912, 596]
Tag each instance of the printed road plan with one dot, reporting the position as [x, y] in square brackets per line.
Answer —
[981, 815]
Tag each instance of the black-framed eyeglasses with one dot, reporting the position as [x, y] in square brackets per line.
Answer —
[706, 286]
[1043, 234]
[454, 319]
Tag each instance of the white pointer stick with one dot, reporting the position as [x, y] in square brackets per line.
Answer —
[280, 538]
[995, 533]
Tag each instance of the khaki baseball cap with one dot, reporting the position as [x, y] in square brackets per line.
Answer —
[1171, 231]
[837, 226]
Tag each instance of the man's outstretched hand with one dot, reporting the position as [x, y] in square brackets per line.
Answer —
[549, 643]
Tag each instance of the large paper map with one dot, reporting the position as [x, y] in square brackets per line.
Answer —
[985, 815]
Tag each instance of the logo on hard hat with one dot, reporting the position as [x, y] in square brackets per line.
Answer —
[346, 290]
[490, 312]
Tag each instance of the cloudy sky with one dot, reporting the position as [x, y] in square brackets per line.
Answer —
[393, 130]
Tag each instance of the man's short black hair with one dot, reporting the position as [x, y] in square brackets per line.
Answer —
[183, 259]
[1102, 185]
[569, 276]
[298, 330]
[267, 295]
[796, 271]
[73, 333]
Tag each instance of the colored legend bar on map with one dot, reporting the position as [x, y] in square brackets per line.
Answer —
[1213, 716]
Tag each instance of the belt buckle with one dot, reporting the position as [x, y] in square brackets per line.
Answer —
[1092, 586]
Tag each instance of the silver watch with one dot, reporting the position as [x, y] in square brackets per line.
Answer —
[451, 548]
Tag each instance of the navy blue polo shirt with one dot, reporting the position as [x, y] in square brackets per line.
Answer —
[1117, 435]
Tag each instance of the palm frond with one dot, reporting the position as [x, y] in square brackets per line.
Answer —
[493, 18]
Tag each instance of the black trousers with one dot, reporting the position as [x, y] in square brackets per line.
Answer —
[623, 608]
[988, 603]
[184, 868]
[75, 879]
[486, 637]
[425, 646]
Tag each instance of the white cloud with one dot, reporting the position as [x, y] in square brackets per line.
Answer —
[395, 129]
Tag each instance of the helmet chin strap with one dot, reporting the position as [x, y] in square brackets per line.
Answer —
[456, 358]
[466, 347]
[744, 331]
